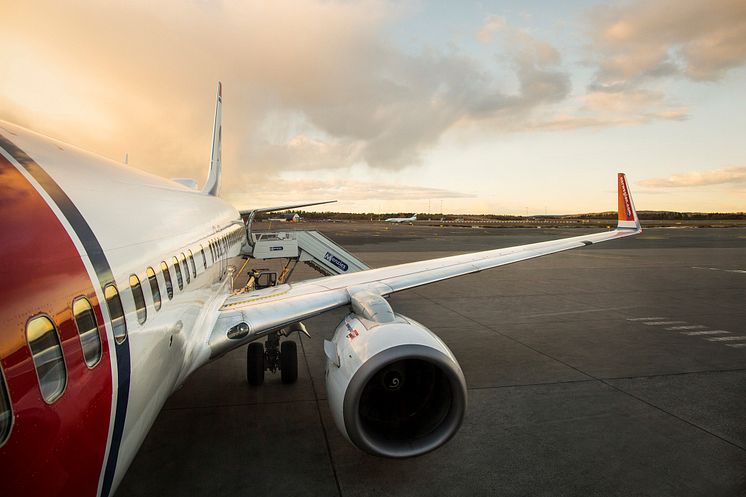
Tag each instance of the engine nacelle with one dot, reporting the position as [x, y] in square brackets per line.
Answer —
[394, 388]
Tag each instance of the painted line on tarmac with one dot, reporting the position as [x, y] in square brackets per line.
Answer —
[584, 311]
[741, 271]
[688, 329]
[708, 332]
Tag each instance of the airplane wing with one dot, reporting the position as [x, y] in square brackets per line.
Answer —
[247, 212]
[247, 316]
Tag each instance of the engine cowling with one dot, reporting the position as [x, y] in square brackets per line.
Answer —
[394, 388]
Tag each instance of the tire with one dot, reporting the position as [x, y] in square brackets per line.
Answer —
[289, 361]
[255, 364]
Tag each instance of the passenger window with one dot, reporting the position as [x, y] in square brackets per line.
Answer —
[167, 277]
[191, 263]
[155, 288]
[179, 280]
[47, 353]
[204, 257]
[85, 321]
[142, 311]
[6, 412]
[116, 313]
[186, 268]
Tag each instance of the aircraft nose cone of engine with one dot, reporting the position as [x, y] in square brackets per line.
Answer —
[392, 380]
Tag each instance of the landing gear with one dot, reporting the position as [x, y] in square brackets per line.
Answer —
[273, 357]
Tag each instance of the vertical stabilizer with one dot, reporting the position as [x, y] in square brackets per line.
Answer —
[212, 185]
[627, 218]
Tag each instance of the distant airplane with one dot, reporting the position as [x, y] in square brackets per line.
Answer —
[116, 286]
[401, 219]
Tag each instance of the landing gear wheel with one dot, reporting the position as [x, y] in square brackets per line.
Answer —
[289, 361]
[255, 364]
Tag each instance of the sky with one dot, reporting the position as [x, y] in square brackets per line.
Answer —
[489, 107]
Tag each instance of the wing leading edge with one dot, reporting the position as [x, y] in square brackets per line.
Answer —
[270, 309]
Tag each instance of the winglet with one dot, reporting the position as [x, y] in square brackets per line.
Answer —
[212, 185]
[627, 214]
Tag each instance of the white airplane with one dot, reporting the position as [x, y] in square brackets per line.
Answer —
[401, 219]
[116, 286]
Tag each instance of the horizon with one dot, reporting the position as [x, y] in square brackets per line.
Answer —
[603, 214]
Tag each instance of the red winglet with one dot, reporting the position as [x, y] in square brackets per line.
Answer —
[627, 214]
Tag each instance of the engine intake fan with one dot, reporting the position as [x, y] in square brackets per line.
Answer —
[395, 389]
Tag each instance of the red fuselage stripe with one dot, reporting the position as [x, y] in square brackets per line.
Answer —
[59, 448]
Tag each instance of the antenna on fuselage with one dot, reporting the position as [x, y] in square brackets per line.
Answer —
[212, 185]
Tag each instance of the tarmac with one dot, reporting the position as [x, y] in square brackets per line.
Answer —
[617, 369]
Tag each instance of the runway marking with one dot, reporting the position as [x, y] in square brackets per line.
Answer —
[579, 312]
[694, 329]
[727, 339]
[742, 271]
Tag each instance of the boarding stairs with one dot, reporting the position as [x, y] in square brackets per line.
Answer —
[310, 247]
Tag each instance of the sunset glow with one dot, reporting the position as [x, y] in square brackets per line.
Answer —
[501, 107]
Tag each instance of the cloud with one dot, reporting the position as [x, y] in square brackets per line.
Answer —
[730, 175]
[700, 40]
[344, 190]
[308, 84]
[492, 25]
[632, 106]
[606, 108]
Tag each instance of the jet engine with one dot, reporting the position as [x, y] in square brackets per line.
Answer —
[394, 388]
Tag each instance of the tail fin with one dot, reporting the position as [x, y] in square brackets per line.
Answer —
[627, 214]
[212, 185]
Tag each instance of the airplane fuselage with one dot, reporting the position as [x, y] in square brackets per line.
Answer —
[73, 224]
[399, 220]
